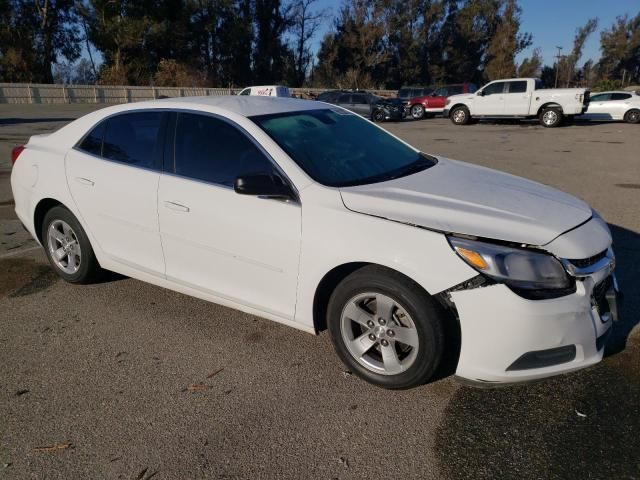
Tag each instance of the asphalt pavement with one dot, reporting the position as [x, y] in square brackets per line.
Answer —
[126, 380]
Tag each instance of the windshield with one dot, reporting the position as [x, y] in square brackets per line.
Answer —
[340, 149]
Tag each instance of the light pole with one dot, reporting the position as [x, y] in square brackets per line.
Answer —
[558, 56]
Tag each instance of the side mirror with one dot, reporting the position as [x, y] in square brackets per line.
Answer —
[261, 185]
[480, 93]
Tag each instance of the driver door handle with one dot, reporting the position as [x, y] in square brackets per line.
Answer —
[178, 207]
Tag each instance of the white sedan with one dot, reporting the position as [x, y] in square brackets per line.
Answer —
[613, 106]
[309, 215]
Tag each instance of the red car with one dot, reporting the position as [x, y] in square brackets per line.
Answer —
[418, 107]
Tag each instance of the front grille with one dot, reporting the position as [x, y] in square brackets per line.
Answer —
[587, 262]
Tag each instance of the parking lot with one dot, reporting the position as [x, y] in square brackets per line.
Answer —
[126, 380]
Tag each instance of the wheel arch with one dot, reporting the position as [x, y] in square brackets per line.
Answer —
[332, 279]
[548, 105]
[632, 109]
[459, 104]
[43, 206]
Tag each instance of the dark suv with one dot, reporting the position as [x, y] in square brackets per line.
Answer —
[370, 106]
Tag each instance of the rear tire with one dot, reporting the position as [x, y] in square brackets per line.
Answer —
[460, 116]
[632, 116]
[551, 117]
[385, 328]
[377, 116]
[68, 248]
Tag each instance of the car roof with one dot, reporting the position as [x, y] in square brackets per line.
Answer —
[246, 106]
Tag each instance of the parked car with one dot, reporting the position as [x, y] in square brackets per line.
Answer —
[267, 91]
[517, 98]
[613, 106]
[405, 93]
[434, 102]
[370, 106]
[331, 95]
[309, 215]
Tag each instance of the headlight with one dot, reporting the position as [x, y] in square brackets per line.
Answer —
[447, 102]
[518, 268]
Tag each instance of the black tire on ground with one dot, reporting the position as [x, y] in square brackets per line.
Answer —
[550, 117]
[632, 116]
[460, 115]
[377, 116]
[425, 313]
[89, 270]
[417, 112]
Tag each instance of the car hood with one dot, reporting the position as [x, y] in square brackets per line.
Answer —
[461, 198]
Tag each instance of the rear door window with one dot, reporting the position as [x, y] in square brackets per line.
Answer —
[359, 99]
[620, 96]
[518, 87]
[214, 151]
[133, 138]
[455, 90]
[601, 97]
[344, 99]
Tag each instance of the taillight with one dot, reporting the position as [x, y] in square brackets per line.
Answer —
[15, 153]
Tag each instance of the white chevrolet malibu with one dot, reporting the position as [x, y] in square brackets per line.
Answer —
[309, 215]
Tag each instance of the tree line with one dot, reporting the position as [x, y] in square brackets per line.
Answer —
[367, 44]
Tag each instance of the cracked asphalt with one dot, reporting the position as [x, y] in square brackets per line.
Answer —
[126, 380]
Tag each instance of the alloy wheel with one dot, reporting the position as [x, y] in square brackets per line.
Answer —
[64, 247]
[459, 116]
[550, 117]
[379, 333]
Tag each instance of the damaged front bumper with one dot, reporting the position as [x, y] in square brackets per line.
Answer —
[506, 338]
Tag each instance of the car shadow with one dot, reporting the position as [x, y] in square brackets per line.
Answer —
[580, 425]
[626, 244]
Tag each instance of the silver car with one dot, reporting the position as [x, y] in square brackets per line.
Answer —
[618, 105]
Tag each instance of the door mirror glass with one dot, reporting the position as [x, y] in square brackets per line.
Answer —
[263, 186]
[480, 93]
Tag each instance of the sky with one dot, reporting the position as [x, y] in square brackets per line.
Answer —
[551, 22]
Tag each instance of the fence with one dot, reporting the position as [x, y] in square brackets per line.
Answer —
[54, 93]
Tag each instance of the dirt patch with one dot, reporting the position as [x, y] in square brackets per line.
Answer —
[582, 425]
[628, 185]
[23, 277]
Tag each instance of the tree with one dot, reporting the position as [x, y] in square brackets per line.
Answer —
[506, 42]
[620, 51]
[531, 66]
[354, 55]
[567, 64]
[37, 34]
[270, 57]
[305, 25]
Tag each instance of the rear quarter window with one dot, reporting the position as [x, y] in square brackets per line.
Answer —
[92, 142]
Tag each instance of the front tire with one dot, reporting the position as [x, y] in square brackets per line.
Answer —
[417, 112]
[460, 116]
[68, 248]
[632, 116]
[551, 117]
[385, 328]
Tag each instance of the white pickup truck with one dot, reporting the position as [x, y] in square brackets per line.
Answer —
[518, 98]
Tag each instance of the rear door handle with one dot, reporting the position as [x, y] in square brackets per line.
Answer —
[178, 207]
[85, 181]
